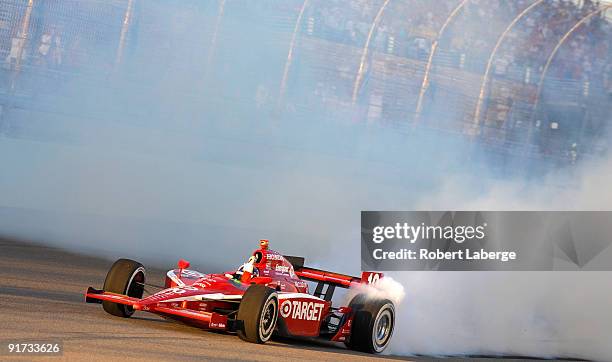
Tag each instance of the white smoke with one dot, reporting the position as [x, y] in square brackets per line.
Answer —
[586, 187]
[384, 288]
[542, 314]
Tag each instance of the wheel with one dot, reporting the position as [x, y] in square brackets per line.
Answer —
[258, 312]
[125, 277]
[373, 323]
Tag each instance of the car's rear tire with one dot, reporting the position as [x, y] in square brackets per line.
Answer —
[258, 312]
[373, 324]
[125, 277]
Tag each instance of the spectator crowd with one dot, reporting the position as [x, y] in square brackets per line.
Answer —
[58, 36]
[579, 77]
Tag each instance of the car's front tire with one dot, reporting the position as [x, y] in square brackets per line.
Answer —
[258, 313]
[126, 277]
[373, 324]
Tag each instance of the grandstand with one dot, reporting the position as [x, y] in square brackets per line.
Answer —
[525, 77]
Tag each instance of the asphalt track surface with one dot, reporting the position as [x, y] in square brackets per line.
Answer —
[41, 298]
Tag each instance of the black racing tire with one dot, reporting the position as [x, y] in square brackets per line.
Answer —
[373, 324]
[125, 277]
[258, 312]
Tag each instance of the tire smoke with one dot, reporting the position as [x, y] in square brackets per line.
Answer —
[385, 288]
[542, 314]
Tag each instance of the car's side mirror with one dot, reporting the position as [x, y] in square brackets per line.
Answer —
[183, 264]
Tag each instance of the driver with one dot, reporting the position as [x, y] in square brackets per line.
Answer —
[247, 271]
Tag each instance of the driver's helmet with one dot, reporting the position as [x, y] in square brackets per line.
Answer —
[246, 267]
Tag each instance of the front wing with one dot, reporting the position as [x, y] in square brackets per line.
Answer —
[213, 320]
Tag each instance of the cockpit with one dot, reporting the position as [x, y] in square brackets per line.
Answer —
[264, 262]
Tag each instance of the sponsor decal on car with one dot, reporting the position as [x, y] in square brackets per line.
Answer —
[282, 268]
[218, 321]
[302, 310]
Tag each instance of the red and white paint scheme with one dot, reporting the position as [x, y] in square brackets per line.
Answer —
[267, 295]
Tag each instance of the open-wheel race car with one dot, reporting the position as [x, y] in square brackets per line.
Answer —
[266, 296]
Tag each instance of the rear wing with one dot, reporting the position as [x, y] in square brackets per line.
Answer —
[331, 279]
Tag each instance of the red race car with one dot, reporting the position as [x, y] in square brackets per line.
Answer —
[267, 295]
